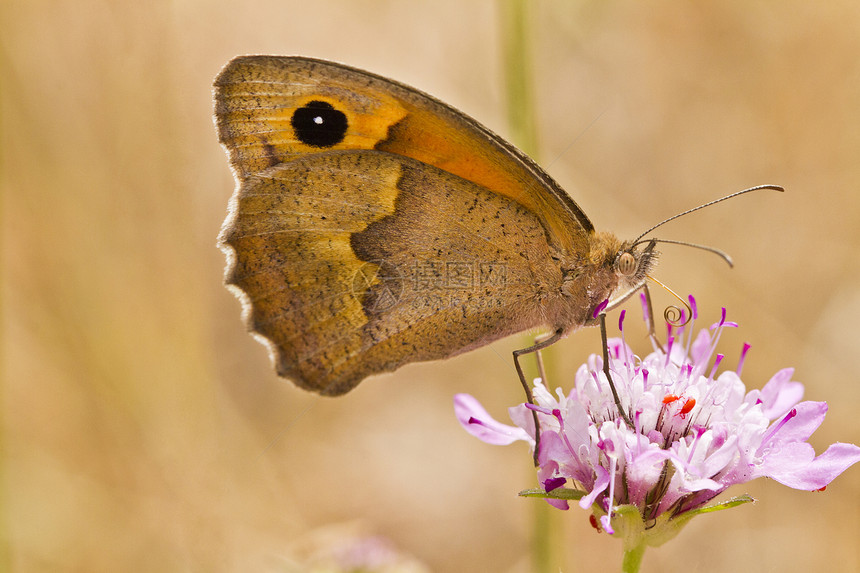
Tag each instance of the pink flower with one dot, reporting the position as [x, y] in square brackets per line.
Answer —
[695, 431]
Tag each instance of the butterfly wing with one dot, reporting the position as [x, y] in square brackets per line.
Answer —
[348, 264]
[257, 99]
[373, 225]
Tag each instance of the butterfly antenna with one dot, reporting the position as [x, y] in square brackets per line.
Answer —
[720, 253]
[708, 204]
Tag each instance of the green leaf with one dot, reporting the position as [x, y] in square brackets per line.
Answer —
[729, 503]
[559, 493]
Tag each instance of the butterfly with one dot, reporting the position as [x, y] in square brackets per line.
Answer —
[373, 226]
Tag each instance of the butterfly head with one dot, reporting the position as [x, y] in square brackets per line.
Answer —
[612, 270]
[632, 263]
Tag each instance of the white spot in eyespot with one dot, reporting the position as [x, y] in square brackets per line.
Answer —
[318, 120]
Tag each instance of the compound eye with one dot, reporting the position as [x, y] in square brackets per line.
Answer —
[626, 264]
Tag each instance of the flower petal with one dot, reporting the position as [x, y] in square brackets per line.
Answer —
[478, 422]
[809, 415]
[600, 484]
[780, 394]
[795, 465]
[700, 351]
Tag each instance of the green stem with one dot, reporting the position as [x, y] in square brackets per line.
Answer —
[633, 557]
[514, 20]
[545, 537]
[518, 82]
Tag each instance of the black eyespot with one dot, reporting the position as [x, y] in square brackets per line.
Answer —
[319, 124]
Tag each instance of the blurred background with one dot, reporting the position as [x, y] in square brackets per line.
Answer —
[144, 430]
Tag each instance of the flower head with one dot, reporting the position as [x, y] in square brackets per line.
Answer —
[693, 431]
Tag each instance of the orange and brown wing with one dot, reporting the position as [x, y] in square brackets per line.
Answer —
[373, 225]
[261, 102]
[352, 263]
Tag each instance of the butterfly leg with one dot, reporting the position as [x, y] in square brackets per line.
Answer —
[621, 410]
[537, 347]
[539, 357]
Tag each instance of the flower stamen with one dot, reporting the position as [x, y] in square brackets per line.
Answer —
[769, 436]
[742, 358]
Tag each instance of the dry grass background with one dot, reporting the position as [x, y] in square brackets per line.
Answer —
[143, 429]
